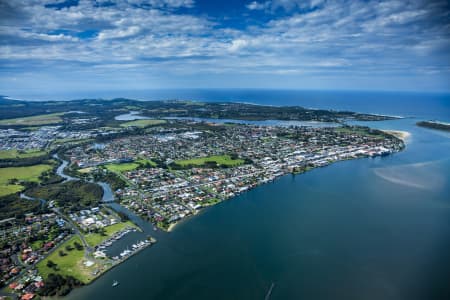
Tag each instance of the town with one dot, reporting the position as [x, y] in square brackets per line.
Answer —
[188, 168]
[57, 226]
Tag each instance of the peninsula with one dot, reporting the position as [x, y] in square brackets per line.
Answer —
[163, 160]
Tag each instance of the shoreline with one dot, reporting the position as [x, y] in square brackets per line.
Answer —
[403, 135]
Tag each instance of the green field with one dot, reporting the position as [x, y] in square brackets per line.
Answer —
[70, 264]
[34, 120]
[125, 167]
[224, 160]
[143, 123]
[94, 239]
[20, 173]
[11, 154]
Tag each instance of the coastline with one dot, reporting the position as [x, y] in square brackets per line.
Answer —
[403, 135]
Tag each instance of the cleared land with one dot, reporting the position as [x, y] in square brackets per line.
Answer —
[223, 160]
[143, 123]
[94, 239]
[34, 120]
[86, 170]
[12, 154]
[69, 264]
[31, 173]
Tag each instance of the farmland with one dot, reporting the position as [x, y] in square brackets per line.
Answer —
[34, 120]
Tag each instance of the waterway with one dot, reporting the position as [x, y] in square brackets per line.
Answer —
[62, 166]
[373, 228]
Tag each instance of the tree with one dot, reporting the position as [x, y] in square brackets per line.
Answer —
[51, 264]
[78, 246]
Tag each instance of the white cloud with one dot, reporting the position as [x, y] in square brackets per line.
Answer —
[336, 36]
[258, 5]
[118, 33]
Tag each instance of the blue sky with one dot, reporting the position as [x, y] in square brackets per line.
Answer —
[51, 45]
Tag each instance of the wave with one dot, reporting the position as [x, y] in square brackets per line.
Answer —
[428, 175]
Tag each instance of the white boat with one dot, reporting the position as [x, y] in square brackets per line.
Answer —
[115, 283]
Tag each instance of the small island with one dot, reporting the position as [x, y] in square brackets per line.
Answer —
[434, 125]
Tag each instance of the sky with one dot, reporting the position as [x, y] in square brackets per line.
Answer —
[69, 45]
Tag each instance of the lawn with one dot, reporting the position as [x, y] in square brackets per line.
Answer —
[125, 167]
[224, 160]
[70, 264]
[30, 173]
[34, 120]
[11, 154]
[94, 239]
[143, 123]
[118, 168]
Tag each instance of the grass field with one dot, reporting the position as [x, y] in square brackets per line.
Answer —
[20, 173]
[125, 167]
[94, 239]
[224, 160]
[34, 120]
[122, 167]
[70, 264]
[8, 154]
[143, 123]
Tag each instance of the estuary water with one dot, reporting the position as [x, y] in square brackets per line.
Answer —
[373, 228]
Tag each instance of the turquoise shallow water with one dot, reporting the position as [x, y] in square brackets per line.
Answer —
[362, 229]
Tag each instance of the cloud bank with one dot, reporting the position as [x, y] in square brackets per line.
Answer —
[182, 43]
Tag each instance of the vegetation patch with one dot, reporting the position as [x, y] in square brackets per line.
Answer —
[12, 206]
[119, 168]
[11, 179]
[143, 123]
[211, 161]
[67, 263]
[85, 170]
[71, 195]
[93, 239]
[34, 120]
[364, 131]
[16, 154]
[146, 163]
[125, 167]
[113, 179]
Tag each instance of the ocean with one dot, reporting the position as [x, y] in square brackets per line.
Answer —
[372, 228]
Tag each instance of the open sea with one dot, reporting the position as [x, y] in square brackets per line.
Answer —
[372, 228]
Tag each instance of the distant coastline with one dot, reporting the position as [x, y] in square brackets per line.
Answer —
[434, 125]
